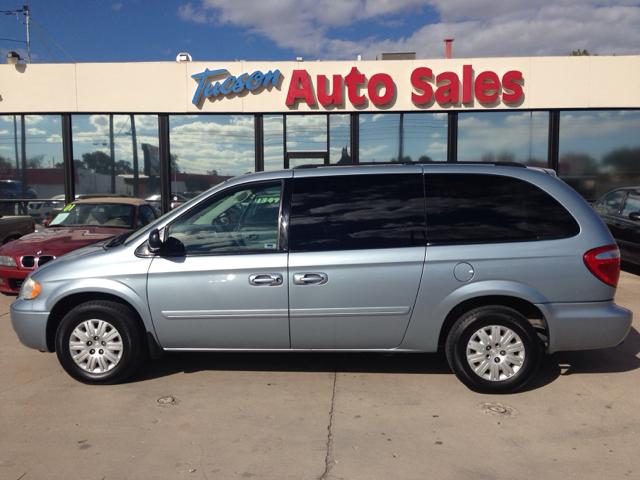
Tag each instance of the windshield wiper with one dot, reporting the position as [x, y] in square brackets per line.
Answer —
[118, 240]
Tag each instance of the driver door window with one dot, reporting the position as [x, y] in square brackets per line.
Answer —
[241, 219]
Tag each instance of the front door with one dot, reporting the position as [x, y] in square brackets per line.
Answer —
[230, 289]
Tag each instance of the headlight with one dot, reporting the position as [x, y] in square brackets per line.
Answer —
[7, 261]
[30, 289]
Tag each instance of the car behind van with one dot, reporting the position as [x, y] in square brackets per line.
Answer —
[494, 265]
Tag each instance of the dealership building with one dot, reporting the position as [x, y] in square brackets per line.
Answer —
[184, 126]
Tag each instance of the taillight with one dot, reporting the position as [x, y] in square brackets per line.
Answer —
[604, 263]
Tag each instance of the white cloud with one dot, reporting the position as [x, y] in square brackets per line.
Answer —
[480, 28]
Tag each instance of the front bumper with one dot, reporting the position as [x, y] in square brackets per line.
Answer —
[30, 326]
[585, 326]
[12, 279]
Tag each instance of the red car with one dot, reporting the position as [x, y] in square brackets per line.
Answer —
[79, 224]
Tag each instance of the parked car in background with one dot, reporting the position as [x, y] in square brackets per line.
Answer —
[495, 265]
[177, 199]
[41, 210]
[12, 227]
[620, 211]
[79, 224]
[13, 189]
[79, 196]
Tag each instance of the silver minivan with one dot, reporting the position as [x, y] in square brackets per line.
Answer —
[492, 264]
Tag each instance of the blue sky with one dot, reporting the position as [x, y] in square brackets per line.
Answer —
[277, 30]
[157, 30]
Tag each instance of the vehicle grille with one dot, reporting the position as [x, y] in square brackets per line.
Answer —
[16, 283]
[31, 261]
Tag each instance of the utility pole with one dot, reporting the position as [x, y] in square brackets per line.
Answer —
[26, 12]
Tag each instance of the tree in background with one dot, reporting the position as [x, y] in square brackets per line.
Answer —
[580, 53]
[35, 161]
[623, 160]
[4, 163]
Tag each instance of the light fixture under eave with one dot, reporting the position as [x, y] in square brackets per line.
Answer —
[184, 57]
[13, 58]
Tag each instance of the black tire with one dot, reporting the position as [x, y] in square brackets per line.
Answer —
[115, 328]
[501, 366]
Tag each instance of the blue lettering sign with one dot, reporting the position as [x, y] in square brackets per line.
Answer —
[231, 84]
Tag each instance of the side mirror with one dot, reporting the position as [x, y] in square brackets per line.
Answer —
[155, 243]
[635, 216]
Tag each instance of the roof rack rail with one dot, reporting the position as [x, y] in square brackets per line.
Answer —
[500, 164]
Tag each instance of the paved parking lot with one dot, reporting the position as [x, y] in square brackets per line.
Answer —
[312, 416]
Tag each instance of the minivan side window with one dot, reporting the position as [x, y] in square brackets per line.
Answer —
[238, 220]
[348, 212]
[477, 208]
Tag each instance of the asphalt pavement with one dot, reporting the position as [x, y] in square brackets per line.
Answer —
[321, 416]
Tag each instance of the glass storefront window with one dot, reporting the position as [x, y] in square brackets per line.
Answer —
[407, 137]
[339, 139]
[425, 137]
[209, 149]
[116, 154]
[273, 142]
[379, 137]
[599, 150]
[521, 137]
[36, 172]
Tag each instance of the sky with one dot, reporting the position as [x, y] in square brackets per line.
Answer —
[280, 30]
[224, 30]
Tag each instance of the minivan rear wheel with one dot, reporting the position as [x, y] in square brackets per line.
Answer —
[493, 350]
[98, 342]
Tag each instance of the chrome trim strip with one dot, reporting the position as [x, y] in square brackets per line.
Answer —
[220, 314]
[349, 312]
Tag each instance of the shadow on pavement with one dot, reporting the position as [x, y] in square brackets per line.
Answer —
[622, 358]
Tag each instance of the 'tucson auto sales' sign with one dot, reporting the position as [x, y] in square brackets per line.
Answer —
[428, 87]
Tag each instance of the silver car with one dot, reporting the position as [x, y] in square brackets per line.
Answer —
[493, 264]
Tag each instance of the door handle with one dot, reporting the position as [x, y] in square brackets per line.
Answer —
[310, 278]
[266, 280]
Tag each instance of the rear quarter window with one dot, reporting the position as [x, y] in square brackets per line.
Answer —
[480, 208]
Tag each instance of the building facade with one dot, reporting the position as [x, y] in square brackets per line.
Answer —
[182, 127]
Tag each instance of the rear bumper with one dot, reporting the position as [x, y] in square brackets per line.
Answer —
[585, 326]
[30, 326]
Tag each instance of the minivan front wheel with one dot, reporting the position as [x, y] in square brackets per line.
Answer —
[493, 350]
[98, 342]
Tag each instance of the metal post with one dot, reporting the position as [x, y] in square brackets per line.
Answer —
[15, 136]
[67, 159]
[165, 162]
[113, 155]
[24, 166]
[400, 145]
[354, 134]
[134, 141]
[258, 135]
[452, 137]
[554, 139]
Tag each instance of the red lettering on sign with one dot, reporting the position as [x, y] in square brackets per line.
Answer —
[304, 91]
[467, 83]
[509, 84]
[449, 92]
[335, 96]
[487, 82]
[418, 83]
[389, 88]
[352, 81]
